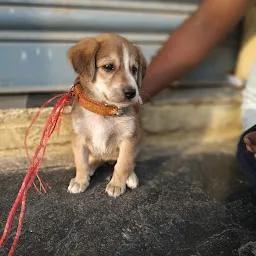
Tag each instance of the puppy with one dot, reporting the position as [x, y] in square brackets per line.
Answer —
[110, 69]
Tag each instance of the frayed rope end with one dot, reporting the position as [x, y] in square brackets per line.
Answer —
[53, 121]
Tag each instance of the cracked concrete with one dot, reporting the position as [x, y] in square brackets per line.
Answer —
[187, 204]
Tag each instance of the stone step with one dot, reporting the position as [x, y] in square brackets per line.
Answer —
[193, 115]
[193, 110]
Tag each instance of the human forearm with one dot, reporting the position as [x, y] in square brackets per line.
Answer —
[191, 42]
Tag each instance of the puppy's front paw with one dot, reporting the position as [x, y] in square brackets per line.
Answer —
[115, 190]
[133, 181]
[77, 187]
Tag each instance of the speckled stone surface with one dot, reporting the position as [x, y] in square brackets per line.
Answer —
[197, 204]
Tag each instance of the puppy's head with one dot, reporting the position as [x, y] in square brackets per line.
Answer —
[112, 67]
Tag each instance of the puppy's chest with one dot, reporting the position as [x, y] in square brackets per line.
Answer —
[104, 133]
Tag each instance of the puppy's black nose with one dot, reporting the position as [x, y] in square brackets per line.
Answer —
[129, 92]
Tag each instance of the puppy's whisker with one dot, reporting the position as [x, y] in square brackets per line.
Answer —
[143, 93]
[146, 95]
[140, 101]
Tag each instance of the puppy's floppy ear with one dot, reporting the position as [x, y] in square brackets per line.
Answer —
[82, 57]
[142, 66]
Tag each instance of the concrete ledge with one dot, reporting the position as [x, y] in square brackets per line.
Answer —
[193, 110]
[198, 95]
[190, 117]
[60, 155]
[194, 117]
[14, 122]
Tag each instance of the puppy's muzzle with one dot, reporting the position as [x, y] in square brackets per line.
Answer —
[129, 92]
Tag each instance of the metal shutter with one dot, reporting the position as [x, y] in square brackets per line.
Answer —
[35, 35]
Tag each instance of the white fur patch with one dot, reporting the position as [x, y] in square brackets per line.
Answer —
[126, 59]
[101, 131]
[100, 128]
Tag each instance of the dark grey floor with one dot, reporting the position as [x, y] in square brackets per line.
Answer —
[197, 205]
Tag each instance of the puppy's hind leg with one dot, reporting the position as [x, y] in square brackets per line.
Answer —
[81, 154]
[94, 164]
[132, 181]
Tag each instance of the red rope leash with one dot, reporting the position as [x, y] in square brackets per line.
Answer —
[35, 163]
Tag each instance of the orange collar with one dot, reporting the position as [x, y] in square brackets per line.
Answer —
[99, 108]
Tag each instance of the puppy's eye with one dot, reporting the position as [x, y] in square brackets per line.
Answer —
[109, 67]
[134, 70]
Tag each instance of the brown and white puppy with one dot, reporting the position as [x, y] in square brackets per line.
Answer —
[110, 69]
